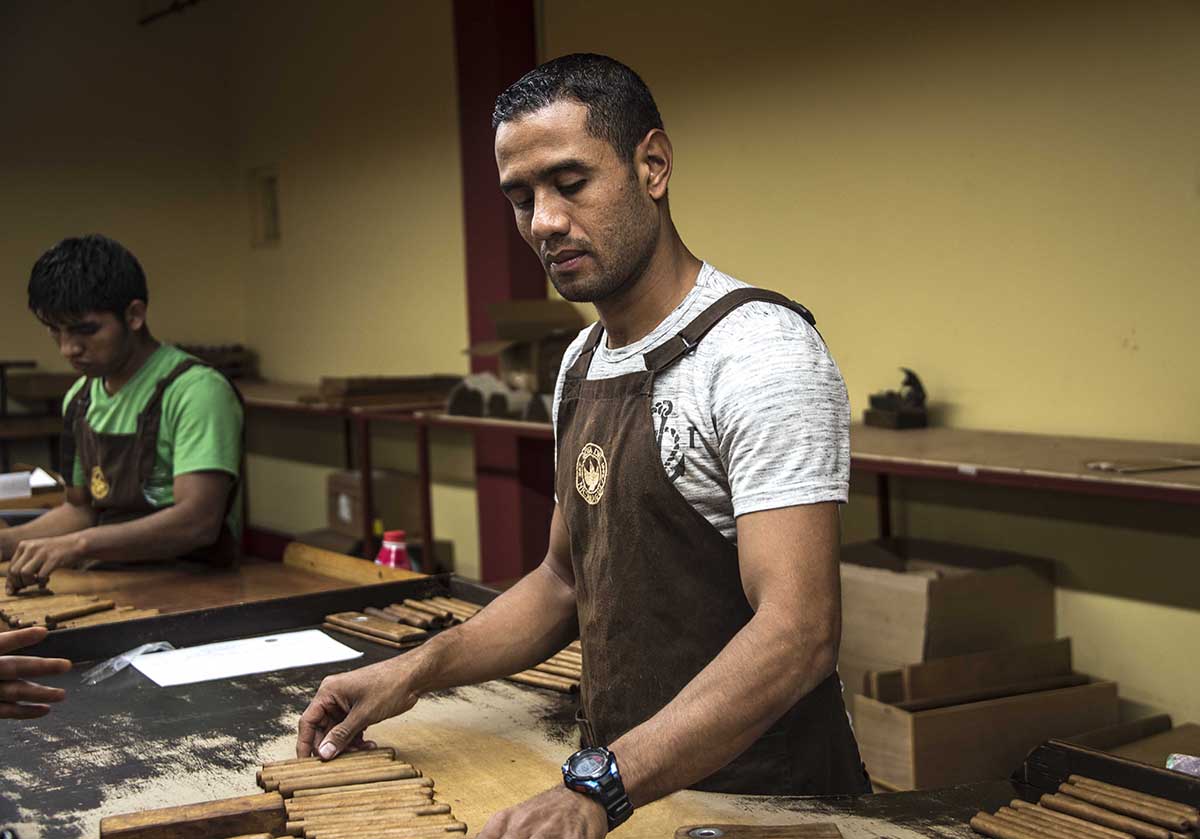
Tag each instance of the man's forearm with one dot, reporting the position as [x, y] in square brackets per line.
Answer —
[169, 533]
[763, 671]
[58, 521]
[521, 628]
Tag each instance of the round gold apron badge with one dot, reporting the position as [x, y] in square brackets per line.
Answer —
[99, 484]
[591, 473]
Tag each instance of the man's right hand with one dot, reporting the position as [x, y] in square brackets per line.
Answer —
[21, 699]
[349, 702]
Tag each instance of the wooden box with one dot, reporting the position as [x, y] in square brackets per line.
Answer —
[909, 601]
[977, 741]
[397, 500]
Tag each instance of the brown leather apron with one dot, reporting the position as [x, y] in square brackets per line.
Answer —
[116, 467]
[658, 589]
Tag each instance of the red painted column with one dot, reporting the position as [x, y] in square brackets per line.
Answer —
[495, 42]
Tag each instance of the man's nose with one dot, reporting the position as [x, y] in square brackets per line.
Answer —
[549, 220]
[69, 347]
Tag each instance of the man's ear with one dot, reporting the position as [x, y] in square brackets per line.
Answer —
[653, 159]
[135, 315]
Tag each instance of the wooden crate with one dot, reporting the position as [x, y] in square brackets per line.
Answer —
[978, 741]
[911, 600]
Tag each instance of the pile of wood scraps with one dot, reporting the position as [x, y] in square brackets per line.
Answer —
[64, 611]
[359, 794]
[1085, 808]
[561, 672]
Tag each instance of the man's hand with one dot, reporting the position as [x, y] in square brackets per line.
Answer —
[21, 699]
[347, 703]
[36, 559]
[557, 813]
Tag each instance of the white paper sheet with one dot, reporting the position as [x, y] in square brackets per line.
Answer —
[14, 485]
[227, 659]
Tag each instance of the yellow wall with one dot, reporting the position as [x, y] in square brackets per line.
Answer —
[148, 133]
[356, 112]
[1002, 196]
[122, 130]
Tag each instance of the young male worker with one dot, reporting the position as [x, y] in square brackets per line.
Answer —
[703, 448]
[152, 437]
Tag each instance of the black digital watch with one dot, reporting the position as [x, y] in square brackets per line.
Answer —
[593, 772]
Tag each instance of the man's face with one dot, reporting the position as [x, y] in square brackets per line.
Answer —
[577, 203]
[96, 344]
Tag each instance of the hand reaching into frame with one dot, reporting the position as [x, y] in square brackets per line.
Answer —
[21, 699]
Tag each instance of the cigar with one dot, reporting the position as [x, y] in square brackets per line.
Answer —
[452, 606]
[1052, 829]
[343, 761]
[1189, 812]
[375, 639]
[372, 800]
[300, 761]
[464, 604]
[333, 769]
[1092, 813]
[351, 776]
[375, 626]
[1151, 813]
[433, 611]
[309, 794]
[1099, 831]
[421, 832]
[430, 814]
[410, 616]
[53, 618]
[1000, 829]
[558, 670]
[543, 680]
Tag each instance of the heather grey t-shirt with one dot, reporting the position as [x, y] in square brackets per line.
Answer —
[755, 418]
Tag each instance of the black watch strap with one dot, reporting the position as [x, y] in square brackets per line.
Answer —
[618, 809]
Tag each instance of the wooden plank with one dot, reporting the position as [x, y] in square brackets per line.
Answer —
[820, 830]
[975, 671]
[995, 692]
[248, 814]
[371, 625]
[342, 567]
[885, 740]
[1123, 732]
[1183, 739]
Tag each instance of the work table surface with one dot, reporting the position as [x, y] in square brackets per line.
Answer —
[181, 586]
[127, 745]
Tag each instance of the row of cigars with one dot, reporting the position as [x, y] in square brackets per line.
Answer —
[371, 793]
[407, 624]
[1085, 808]
[64, 611]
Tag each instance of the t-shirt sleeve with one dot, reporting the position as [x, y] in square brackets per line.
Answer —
[782, 416]
[205, 418]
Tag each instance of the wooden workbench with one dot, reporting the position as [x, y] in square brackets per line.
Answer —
[127, 745]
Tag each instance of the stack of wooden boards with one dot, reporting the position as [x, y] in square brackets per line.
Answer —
[360, 794]
[907, 717]
[40, 607]
[1084, 808]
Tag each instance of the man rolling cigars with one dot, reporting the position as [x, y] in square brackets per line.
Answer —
[152, 437]
[702, 452]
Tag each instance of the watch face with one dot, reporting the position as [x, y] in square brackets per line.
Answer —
[588, 764]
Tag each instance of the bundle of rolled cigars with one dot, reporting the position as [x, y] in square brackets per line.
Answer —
[370, 794]
[407, 624]
[1084, 808]
[41, 607]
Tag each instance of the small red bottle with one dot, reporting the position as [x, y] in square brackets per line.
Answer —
[393, 553]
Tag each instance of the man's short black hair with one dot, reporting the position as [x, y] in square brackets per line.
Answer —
[85, 274]
[620, 107]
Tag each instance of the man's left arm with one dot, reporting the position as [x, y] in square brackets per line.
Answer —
[194, 521]
[789, 568]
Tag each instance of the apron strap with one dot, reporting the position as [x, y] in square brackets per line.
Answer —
[76, 408]
[580, 367]
[670, 351]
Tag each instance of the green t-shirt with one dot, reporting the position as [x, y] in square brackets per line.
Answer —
[200, 429]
